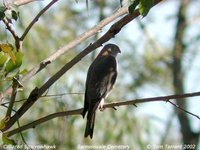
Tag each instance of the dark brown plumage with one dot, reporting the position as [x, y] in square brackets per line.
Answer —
[101, 77]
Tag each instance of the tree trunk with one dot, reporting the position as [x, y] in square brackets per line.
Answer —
[188, 136]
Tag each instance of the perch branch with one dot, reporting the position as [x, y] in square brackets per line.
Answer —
[110, 105]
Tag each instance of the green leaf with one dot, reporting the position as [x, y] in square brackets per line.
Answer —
[132, 6]
[2, 14]
[11, 66]
[7, 141]
[14, 15]
[2, 8]
[15, 12]
[3, 59]
[8, 48]
[145, 6]
[23, 72]
[3, 122]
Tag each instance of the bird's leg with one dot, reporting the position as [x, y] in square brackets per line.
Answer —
[101, 105]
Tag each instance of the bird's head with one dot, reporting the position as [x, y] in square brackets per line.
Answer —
[110, 49]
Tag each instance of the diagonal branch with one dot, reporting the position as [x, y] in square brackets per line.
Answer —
[110, 105]
[178, 107]
[36, 19]
[75, 42]
[18, 41]
[12, 31]
[8, 26]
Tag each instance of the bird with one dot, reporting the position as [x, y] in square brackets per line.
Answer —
[101, 77]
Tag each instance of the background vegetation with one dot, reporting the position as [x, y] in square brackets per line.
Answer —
[160, 56]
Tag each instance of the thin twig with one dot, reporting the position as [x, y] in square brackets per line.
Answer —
[9, 28]
[110, 105]
[177, 106]
[36, 19]
[58, 95]
[12, 31]
[7, 107]
[50, 95]
[13, 96]
[23, 139]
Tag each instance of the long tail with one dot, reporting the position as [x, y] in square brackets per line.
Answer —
[90, 125]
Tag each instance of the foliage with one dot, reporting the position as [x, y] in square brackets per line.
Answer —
[143, 5]
[144, 70]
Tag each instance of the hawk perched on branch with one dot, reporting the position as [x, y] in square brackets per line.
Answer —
[101, 77]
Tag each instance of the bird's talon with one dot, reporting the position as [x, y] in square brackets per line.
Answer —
[101, 108]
